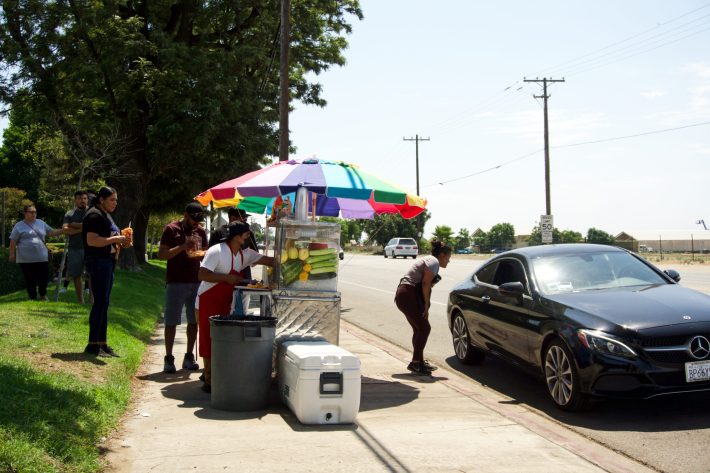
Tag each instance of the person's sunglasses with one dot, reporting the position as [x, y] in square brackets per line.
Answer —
[30, 211]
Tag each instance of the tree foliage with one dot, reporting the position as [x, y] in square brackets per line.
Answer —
[558, 236]
[595, 235]
[501, 235]
[350, 229]
[383, 228]
[162, 99]
[444, 234]
[462, 239]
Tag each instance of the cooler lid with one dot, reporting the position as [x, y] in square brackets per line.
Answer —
[320, 356]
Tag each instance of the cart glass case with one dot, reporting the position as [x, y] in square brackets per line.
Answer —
[306, 256]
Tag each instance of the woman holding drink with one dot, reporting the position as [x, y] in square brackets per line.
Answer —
[102, 243]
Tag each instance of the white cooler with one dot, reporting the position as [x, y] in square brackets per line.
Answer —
[319, 382]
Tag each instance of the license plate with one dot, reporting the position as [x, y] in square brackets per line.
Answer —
[697, 371]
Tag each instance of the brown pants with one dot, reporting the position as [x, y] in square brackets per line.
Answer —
[409, 300]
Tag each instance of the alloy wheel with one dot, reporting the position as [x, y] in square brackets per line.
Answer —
[558, 375]
[460, 336]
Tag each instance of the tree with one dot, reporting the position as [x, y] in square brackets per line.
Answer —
[350, 229]
[480, 239]
[12, 202]
[501, 235]
[463, 240]
[383, 228]
[598, 236]
[444, 234]
[564, 236]
[169, 97]
[569, 236]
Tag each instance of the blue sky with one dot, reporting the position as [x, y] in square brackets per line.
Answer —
[453, 71]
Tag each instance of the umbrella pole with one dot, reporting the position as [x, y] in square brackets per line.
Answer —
[313, 206]
[302, 204]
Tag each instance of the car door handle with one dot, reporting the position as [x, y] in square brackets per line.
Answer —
[485, 299]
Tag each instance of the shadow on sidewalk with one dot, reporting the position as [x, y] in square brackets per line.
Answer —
[160, 377]
[381, 393]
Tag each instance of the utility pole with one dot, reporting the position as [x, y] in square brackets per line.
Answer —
[283, 83]
[417, 139]
[545, 96]
[420, 217]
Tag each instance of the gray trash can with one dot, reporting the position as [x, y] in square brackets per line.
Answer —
[241, 361]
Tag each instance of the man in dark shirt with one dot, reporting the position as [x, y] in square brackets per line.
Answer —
[233, 215]
[75, 247]
[181, 278]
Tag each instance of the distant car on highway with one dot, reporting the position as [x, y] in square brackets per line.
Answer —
[401, 247]
[593, 320]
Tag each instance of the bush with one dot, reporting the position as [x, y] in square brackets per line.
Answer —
[11, 278]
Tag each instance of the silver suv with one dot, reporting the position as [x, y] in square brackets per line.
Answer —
[401, 247]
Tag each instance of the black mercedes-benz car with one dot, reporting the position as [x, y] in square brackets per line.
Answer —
[594, 320]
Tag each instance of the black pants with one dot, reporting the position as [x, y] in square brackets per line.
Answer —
[36, 276]
[101, 273]
[410, 301]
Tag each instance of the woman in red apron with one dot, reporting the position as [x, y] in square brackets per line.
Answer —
[220, 270]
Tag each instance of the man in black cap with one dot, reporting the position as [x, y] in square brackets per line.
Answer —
[233, 215]
[180, 245]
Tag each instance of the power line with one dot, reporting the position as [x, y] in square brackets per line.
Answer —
[582, 59]
[520, 158]
[665, 130]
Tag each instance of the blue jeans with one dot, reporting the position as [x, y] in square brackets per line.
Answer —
[101, 272]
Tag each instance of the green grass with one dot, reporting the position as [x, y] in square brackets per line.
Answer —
[57, 403]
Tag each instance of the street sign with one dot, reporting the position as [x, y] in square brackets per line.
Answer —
[546, 227]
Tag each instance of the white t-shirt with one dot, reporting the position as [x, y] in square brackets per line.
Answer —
[219, 259]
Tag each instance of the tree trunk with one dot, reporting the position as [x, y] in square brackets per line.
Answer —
[132, 193]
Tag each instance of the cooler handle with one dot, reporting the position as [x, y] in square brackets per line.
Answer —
[252, 333]
[331, 382]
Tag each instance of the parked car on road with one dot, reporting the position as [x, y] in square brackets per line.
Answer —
[593, 320]
[401, 247]
[464, 251]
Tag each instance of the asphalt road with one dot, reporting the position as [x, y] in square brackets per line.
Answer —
[670, 434]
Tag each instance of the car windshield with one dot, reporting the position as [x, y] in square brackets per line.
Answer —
[591, 271]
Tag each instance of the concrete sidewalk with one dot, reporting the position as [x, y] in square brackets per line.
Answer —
[406, 423]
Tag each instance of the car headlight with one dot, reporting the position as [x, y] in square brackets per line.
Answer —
[602, 343]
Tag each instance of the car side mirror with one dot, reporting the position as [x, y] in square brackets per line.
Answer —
[511, 289]
[673, 274]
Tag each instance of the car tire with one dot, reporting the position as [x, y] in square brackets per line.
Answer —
[562, 378]
[385, 253]
[464, 351]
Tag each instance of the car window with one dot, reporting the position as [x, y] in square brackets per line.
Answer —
[392, 242]
[509, 270]
[406, 241]
[486, 273]
[592, 271]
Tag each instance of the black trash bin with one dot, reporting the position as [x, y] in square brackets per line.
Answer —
[242, 350]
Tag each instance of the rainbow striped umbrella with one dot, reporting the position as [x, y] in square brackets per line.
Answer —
[342, 190]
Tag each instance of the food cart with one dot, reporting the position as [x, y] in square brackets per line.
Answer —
[306, 301]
